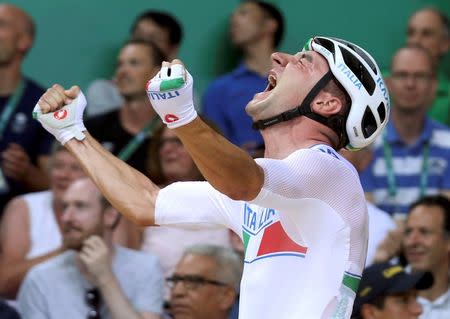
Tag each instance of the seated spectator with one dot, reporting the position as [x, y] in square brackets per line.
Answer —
[126, 133]
[426, 247]
[170, 162]
[387, 291]
[205, 283]
[159, 27]
[412, 157]
[380, 222]
[256, 28]
[429, 28]
[24, 145]
[30, 231]
[93, 278]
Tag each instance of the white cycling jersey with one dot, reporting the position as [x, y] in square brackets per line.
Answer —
[305, 234]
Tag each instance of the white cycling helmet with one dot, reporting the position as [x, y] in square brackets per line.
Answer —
[360, 76]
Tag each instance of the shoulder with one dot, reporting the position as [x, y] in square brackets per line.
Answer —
[33, 88]
[52, 267]
[440, 135]
[136, 257]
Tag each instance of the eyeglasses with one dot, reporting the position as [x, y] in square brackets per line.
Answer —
[419, 77]
[192, 282]
[92, 298]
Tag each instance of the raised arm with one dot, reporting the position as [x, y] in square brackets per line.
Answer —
[226, 167]
[130, 192]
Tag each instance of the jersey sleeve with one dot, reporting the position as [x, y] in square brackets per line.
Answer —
[196, 205]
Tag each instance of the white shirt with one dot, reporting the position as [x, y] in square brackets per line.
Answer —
[305, 234]
[380, 224]
[438, 309]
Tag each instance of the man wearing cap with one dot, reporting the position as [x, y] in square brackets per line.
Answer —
[386, 291]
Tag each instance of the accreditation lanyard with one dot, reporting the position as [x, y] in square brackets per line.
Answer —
[10, 106]
[137, 140]
[390, 168]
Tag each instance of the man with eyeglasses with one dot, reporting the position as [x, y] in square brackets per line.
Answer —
[205, 283]
[300, 211]
[412, 157]
[93, 278]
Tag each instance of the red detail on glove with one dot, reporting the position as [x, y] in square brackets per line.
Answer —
[147, 85]
[170, 118]
[60, 115]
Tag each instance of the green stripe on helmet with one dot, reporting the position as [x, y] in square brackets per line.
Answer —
[307, 46]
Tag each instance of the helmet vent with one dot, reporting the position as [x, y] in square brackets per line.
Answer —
[327, 44]
[369, 124]
[359, 70]
[360, 52]
[382, 112]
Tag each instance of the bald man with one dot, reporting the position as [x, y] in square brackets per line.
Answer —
[24, 145]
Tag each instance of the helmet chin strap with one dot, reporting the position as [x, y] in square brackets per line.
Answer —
[335, 122]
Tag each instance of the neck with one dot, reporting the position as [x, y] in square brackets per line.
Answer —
[10, 75]
[257, 57]
[296, 134]
[135, 114]
[440, 285]
[409, 124]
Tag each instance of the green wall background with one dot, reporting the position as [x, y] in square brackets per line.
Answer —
[77, 41]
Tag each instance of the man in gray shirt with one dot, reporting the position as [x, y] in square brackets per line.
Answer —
[94, 278]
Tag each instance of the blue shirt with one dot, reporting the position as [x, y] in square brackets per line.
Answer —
[225, 100]
[408, 167]
[25, 131]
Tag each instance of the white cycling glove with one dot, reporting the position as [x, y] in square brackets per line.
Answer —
[170, 93]
[65, 123]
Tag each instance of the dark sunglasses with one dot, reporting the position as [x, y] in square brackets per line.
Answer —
[92, 298]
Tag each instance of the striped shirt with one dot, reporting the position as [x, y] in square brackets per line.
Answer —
[408, 167]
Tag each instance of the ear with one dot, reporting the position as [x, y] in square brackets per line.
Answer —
[326, 104]
[270, 26]
[368, 311]
[110, 217]
[445, 47]
[25, 42]
[228, 298]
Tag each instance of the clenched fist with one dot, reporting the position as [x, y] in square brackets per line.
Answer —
[60, 112]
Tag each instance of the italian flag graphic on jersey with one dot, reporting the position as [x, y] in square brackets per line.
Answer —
[265, 237]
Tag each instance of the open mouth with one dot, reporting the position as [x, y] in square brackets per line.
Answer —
[272, 83]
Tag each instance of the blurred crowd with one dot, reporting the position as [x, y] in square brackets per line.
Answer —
[66, 252]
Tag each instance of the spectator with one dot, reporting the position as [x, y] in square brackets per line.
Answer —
[169, 158]
[429, 28]
[412, 156]
[127, 131]
[30, 231]
[426, 247]
[256, 28]
[94, 278]
[387, 291]
[24, 145]
[205, 283]
[159, 27]
[380, 222]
